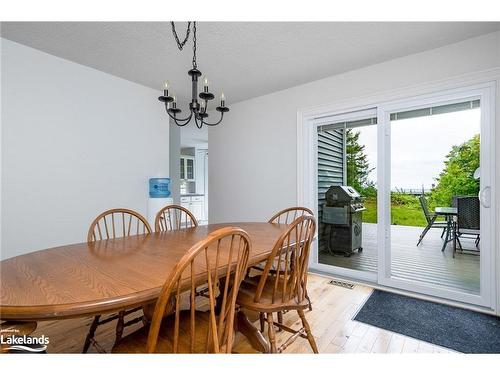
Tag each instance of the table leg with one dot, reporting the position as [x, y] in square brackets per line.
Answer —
[253, 335]
[454, 238]
[243, 325]
[448, 230]
[90, 335]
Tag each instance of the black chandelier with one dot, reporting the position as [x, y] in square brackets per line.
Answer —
[197, 108]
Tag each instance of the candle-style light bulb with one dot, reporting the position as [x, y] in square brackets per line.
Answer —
[174, 102]
[165, 88]
[202, 106]
[222, 99]
[205, 84]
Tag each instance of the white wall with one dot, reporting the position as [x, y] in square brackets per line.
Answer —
[75, 141]
[253, 153]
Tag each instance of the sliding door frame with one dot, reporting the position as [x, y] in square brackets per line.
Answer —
[485, 93]
[359, 114]
[307, 154]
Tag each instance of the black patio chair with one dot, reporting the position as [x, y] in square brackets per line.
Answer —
[468, 220]
[431, 220]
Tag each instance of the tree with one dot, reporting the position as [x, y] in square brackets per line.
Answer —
[457, 177]
[357, 164]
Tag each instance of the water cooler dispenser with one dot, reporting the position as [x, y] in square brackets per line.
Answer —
[159, 197]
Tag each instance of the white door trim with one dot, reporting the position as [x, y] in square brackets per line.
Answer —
[306, 140]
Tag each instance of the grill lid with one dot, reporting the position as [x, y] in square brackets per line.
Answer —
[341, 194]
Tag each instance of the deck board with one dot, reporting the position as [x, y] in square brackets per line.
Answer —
[424, 263]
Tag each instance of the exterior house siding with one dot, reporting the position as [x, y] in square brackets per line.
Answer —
[330, 172]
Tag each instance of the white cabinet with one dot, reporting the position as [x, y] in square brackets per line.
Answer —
[197, 208]
[186, 202]
[187, 168]
[195, 204]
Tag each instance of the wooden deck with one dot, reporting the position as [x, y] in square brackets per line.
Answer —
[425, 263]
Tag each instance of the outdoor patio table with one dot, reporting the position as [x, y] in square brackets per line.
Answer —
[449, 213]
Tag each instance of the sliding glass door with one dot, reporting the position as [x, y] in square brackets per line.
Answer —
[403, 194]
[436, 196]
[347, 230]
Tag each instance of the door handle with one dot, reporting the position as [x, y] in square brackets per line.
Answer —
[485, 196]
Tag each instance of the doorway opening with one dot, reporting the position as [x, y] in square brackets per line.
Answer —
[193, 174]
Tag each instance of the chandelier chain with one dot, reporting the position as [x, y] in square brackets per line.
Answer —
[194, 45]
[180, 44]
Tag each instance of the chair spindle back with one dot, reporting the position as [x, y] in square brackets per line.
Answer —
[174, 217]
[288, 215]
[117, 222]
[289, 261]
[222, 254]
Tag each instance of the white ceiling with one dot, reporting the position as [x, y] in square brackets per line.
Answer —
[246, 59]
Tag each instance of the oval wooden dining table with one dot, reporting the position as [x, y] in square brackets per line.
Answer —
[88, 279]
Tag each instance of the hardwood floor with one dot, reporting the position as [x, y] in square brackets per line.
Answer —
[425, 263]
[335, 331]
[330, 320]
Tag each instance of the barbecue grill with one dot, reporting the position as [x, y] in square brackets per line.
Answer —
[343, 214]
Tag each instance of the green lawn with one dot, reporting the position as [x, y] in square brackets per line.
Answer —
[408, 213]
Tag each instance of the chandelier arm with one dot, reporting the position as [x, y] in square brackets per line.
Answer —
[177, 119]
[181, 125]
[217, 123]
[178, 122]
[187, 120]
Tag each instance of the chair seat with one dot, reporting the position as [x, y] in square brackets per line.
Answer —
[136, 341]
[474, 232]
[248, 288]
[439, 224]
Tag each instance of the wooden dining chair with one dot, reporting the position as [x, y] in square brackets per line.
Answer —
[174, 217]
[286, 216]
[285, 287]
[117, 222]
[114, 223]
[223, 254]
